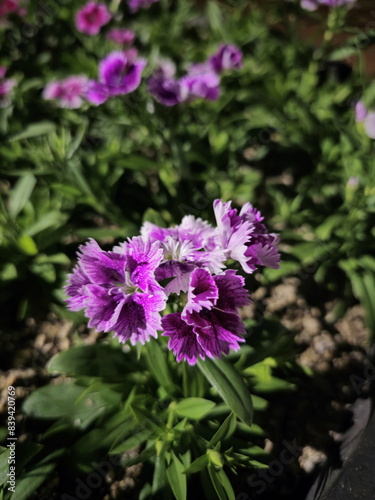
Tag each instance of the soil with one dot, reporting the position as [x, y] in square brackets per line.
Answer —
[314, 418]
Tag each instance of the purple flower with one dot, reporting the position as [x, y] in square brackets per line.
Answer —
[91, 17]
[6, 87]
[209, 324]
[369, 124]
[135, 5]
[121, 36]
[164, 87]
[118, 290]
[244, 237]
[360, 112]
[119, 73]
[314, 4]
[68, 93]
[227, 57]
[367, 117]
[205, 85]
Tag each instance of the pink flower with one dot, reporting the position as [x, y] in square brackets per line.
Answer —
[91, 17]
[121, 36]
[68, 93]
[6, 87]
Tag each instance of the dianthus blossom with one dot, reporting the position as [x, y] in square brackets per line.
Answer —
[119, 73]
[367, 117]
[6, 87]
[68, 93]
[91, 17]
[125, 290]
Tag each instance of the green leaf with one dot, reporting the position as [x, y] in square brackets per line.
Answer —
[157, 363]
[230, 385]
[148, 420]
[91, 361]
[142, 457]
[34, 130]
[27, 245]
[131, 442]
[4, 466]
[135, 162]
[197, 465]
[30, 481]
[20, 194]
[52, 401]
[177, 478]
[194, 408]
[221, 484]
[224, 431]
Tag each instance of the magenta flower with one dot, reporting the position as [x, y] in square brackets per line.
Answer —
[121, 36]
[209, 324]
[91, 17]
[118, 290]
[227, 57]
[9, 7]
[6, 87]
[135, 5]
[69, 93]
[119, 73]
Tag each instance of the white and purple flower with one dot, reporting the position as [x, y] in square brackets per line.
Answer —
[119, 73]
[118, 290]
[69, 93]
[126, 289]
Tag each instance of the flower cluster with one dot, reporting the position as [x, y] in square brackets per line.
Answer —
[314, 4]
[126, 289]
[6, 87]
[367, 117]
[201, 81]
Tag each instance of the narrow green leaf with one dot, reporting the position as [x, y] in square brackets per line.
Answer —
[131, 442]
[194, 408]
[30, 481]
[4, 466]
[177, 478]
[230, 385]
[197, 465]
[34, 130]
[157, 363]
[20, 194]
[224, 431]
[223, 478]
[218, 485]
